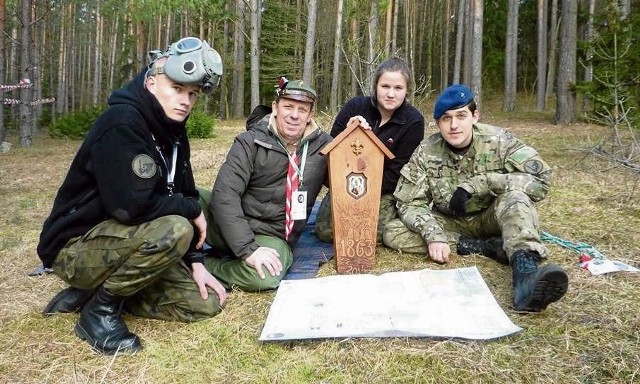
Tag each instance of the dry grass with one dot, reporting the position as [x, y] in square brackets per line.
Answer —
[591, 336]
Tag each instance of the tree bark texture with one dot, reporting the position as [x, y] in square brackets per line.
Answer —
[255, 53]
[24, 110]
[307, 73]
[333, 101]
[566, 91]
[542, 23]
[511, 58]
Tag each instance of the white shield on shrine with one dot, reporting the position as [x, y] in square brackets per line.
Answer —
[356, 185]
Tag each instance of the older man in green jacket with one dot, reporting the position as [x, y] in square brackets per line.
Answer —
[265, 190]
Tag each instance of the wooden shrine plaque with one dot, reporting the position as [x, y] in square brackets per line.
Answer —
[356, 160]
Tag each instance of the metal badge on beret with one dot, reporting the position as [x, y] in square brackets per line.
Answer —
[144, 166]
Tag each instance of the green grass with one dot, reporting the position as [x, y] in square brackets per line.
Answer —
[591, 336]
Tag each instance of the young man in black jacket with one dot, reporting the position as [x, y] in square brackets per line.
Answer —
[126, 226]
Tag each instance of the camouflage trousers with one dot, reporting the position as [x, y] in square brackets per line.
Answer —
[141, 262]
[231, 270]
[512, 215]
[324, 222]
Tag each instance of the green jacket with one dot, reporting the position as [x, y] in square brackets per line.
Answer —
[248, 195]
[495, 163]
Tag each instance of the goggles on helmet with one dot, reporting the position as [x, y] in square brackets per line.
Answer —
[191, 61]
[188, 44]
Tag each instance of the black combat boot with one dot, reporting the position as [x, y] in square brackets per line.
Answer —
[491, 248]
[68, 300]
[535, 288]
[101, 324]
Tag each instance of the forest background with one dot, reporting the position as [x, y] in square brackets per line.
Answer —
[62, 57]
[575, 99]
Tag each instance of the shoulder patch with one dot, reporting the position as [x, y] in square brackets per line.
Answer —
[144, 166]
[533, 166]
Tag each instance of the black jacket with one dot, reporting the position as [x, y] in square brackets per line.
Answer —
[401, 134]
[119, 172]
[248, 196]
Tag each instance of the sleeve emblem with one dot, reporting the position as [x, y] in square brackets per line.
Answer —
[144, 166]
[533, 167]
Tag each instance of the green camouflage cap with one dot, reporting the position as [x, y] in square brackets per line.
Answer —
[295, 89]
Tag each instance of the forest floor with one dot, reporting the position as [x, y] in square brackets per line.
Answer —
[591, 336]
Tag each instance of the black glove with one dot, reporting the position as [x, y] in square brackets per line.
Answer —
[456, 204]
[193, 256]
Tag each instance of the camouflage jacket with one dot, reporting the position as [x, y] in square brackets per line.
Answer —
[496, 162]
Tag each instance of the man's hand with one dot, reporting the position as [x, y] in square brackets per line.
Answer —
[456, 204]
[361, 120]
[204, 279]
[267, 257]
[439, 252]
[201, 225]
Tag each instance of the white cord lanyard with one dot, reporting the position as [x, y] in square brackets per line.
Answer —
[172, 173]
[303, 161]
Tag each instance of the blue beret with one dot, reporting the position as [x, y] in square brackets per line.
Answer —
[454, 97]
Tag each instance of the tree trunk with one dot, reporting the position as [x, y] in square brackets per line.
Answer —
[3, 133]
[371, 51]
[85, 69]
[201, 25]
[425, 29]
[553, 48]
[25, 118]
[457, 62]
[408, 32]
[388, 21]
[159, 28]
[511, 58]
[407, 29]
[566, 93]
[411, 16]
[476, 55]
[96, 87]
[141, 39]
[394, 28]
[37, 71]
[223, 111]
[167, 36]
[625, 9]
[542, 55]
[238, 69]
[61, 100]
[468, 43]
[588, 69]
[74, 69]
[444, 77]
[307, 73]
[333, 100]
[113, 48]
[255, 53]
[355, 82]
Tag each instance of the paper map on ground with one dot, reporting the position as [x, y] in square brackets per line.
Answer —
[599, 267]
[454, 303]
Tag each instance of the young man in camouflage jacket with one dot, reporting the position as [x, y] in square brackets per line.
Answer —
[475, 185]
